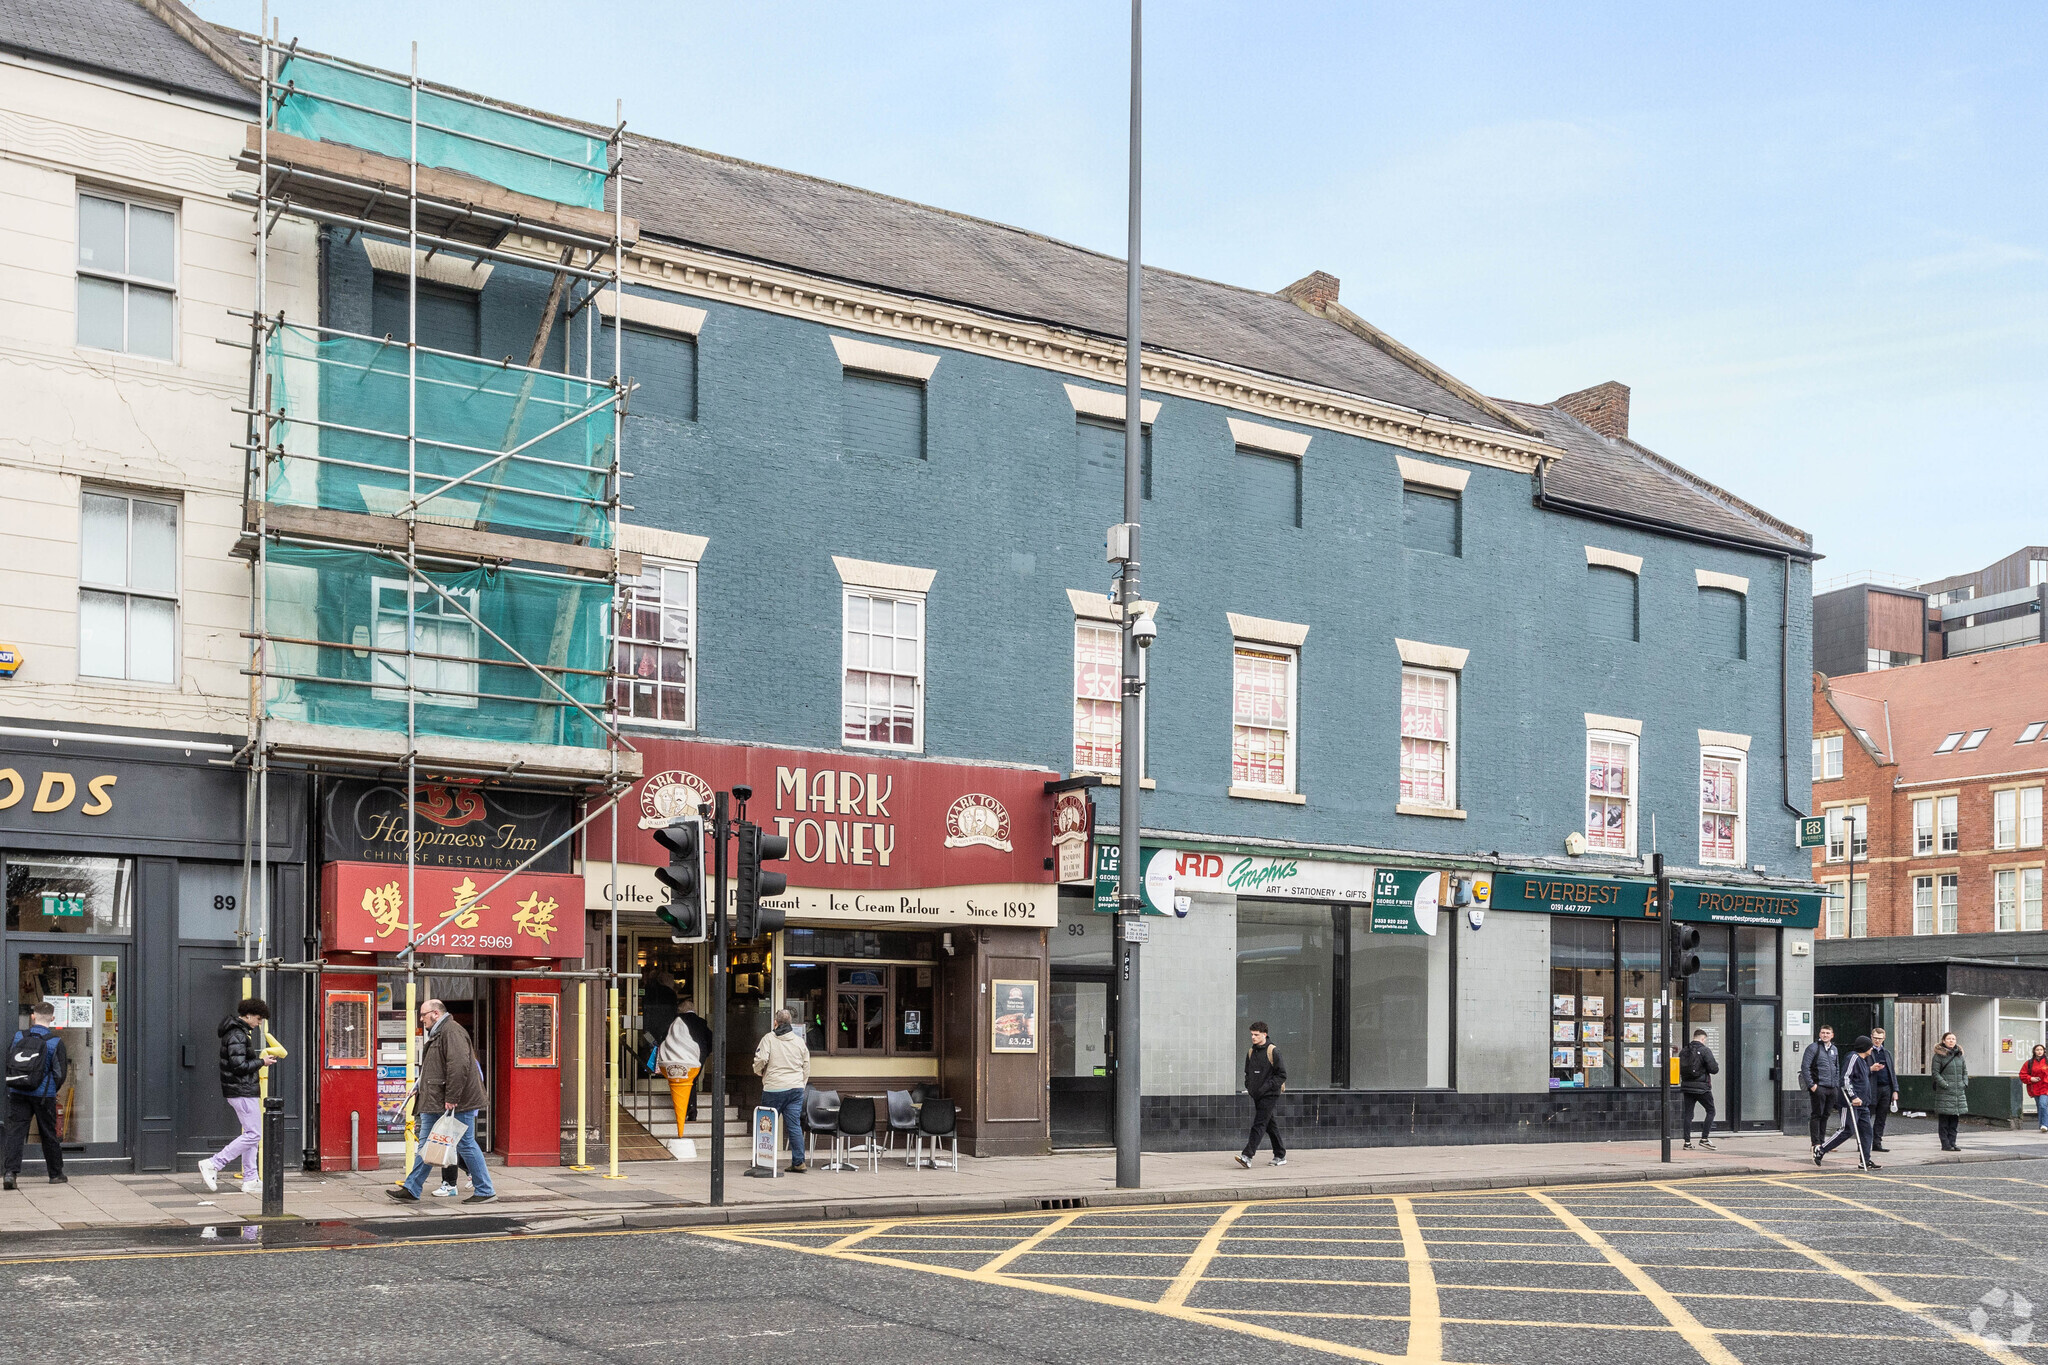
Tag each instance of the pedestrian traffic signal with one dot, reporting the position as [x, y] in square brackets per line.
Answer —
[757, 884]
[1684, 961]
[684, 878]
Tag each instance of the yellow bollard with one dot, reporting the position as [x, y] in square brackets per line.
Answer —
[582, 1075]
[612, 1104]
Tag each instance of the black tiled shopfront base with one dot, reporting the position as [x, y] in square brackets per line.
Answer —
[1350, 1118]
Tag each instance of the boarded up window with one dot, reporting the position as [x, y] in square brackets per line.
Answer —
[884, 418]
[1722, 628]
[1610, 602]
[1102, 458]
[664, 365]
[1431, 520]
[448, 317]
[1268, 488]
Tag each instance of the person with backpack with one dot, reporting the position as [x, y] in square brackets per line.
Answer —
[1696, 1069]
[243, 1055]
[1265, 1080]
[36, 1068]
[2034, 1075]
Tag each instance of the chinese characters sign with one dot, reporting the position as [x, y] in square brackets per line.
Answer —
[535, 914]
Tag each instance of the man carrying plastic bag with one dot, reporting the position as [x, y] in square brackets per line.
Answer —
[451, 1088]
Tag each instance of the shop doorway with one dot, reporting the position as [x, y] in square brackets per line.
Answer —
[1734, 997]
[1082, 1029]
[668, 980]
[87, 984]
[209, 992]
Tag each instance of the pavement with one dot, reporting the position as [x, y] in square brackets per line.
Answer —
[652, 1193]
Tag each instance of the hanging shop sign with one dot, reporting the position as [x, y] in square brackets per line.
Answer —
[363, 909]
[1073, 828]
[452, 825]
[1182, 871]
[1406, 900]
[1617, 898]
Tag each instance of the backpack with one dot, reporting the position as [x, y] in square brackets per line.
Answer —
[1269, 1066]
[28, 1062]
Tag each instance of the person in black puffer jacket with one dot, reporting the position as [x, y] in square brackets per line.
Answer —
[1696, 1069]
[1265, 1079]
[242, 1060]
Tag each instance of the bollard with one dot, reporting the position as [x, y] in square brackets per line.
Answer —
[355, 1140]
[273, 1169]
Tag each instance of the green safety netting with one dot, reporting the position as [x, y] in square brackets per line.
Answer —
[330, 103]
[343, 433]
[330, 611]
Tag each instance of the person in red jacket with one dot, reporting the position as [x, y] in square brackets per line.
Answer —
[2034, 1073]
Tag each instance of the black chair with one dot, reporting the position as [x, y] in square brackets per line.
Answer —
[857, 1132]
[902, 1119]
[935, 1121]
[821, 1120]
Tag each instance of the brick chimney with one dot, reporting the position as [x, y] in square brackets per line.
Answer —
[1313, 292]
[1604, 407]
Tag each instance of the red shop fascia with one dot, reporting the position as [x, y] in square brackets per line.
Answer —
[465, 839]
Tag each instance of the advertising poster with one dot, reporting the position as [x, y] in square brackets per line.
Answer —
[1564, 1031]
[767, 1137]
[1564, 1006]
[1014, 1027]
[1073, 828]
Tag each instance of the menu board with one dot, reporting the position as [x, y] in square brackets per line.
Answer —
[1014, 1027]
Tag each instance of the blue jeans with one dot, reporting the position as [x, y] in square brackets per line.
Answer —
[790, 1103]
[467, 1152]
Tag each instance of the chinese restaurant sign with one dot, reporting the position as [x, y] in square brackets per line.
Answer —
[534, 914]
[453, 825]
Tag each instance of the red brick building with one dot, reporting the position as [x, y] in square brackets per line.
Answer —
[1939, 770]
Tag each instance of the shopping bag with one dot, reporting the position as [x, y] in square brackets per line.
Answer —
[439, 1148]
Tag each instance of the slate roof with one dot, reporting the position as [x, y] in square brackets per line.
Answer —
[2003, 691]
[119, 38]
[821, 227]
[1621, 475]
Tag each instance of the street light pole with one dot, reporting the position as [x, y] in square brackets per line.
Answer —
[1130, 862]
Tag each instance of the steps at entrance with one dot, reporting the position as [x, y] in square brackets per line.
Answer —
[655, 1111]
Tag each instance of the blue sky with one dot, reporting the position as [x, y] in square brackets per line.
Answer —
[1811, 238]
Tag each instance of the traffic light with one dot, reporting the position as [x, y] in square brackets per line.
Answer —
[1684, 961]
[684, 878]
[757, 884]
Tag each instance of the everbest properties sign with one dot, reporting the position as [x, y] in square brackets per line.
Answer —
[1617, 898]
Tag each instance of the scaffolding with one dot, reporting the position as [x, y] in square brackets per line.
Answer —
[433, 537]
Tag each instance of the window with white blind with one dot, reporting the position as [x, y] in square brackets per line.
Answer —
[127, 276]
[127, 587]
[655, 645]
[2016, 897]
[1098, 708]
[1429, 738]
[1721, 799]
[1923, 905]
[1840, 821]
[1262, 734]
[882, 698]
[1611, 785]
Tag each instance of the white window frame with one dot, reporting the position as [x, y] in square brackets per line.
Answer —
[1948, 901]
[128, 281]
[1838, 850]
[2005, 818]
[1715, 753]
[1923, 904]
[2005, 900]
[1923, 827]
[1848, 913]
[128, 594]
[2030, 898]
[1239, 648]
[1976, 737]
[659, 569]
[1115, 704]
[1830, 765]
[2034, 728]
[1632, 799]
[1945, 823]
[1450, 743]
[848, 592]
[432, 672]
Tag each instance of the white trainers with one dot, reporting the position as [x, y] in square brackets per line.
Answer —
[445, 1192]
[1279, 1161]
[1243, 1160]
[210, 1173]
[254, 1187]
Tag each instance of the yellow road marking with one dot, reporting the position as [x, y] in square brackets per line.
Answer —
[1589, 1326]
[1964, 1194]
[1677, 1314]
[1901, 1218]
[1857, 1278]
[1425, 1311]
[1059, 1224]
[870, 1230]
[1176, 1295]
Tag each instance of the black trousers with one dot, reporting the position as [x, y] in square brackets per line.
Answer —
[1878, 1113]
[1706, 1102]
[1265, 1125]
[1860, 1126]
[43, 1109]
[1822, 1104]
[1947, 1124]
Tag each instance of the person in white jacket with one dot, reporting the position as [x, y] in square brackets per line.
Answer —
[679, 1060]
[783, 1062]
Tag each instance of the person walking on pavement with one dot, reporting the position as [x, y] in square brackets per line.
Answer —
[1951, 1089]
[1884, 1087]
[37, 1066]
[242, 1059]
[1857, 1093]
[1696, 1069]
[1265, 1080]
[700, 1034]
[451, 1082]
[1820, 1076]
[783, 1062]
[2034, 1075]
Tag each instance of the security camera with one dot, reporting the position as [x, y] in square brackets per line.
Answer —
[1145, 630]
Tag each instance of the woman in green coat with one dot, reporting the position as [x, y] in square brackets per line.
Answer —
[1951, 1089]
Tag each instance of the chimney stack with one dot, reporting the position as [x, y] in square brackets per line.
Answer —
[1604, 407]
[1313, 292]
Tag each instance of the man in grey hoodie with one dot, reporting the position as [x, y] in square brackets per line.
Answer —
[1820, 1075]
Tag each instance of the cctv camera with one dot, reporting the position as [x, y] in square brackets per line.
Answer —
[1145, 630]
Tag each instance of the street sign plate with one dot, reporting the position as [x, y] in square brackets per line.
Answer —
[1137, 931]
[1813, 831]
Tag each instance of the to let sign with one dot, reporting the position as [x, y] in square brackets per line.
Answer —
[363, 909]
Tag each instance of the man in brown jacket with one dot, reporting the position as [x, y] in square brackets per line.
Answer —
[451, 1082]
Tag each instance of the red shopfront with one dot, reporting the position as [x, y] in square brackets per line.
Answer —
[921, 894]
[530, 922]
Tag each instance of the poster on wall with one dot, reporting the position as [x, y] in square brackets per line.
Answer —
[1406, 900]
[1014, 1026]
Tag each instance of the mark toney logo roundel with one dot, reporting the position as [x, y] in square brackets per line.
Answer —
[669, 795]
[978, 819]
